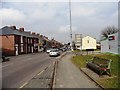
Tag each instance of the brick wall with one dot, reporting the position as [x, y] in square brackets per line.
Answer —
[8, 44]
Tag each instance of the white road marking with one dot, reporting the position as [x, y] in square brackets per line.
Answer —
[23, 85]
[40, 72]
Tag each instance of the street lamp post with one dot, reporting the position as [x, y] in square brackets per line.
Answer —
[81, 43]
[70, 24]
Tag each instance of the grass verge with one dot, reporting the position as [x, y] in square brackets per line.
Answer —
[80, 61]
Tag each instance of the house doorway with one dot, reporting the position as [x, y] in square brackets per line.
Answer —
[16, 50]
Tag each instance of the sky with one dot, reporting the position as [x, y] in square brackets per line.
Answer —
[51, 18]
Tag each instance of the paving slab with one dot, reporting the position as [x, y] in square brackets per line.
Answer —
[69, 76]
[92, 74]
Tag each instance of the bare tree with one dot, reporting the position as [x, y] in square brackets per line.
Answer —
[109, 30]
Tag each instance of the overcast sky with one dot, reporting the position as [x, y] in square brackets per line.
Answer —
[52, 18]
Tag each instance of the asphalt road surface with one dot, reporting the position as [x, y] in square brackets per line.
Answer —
[20, 69]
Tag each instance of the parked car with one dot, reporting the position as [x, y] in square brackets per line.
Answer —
[48, 50]
[63, 49]
[54, 52]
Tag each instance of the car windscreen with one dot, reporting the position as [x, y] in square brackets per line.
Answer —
[54, 51]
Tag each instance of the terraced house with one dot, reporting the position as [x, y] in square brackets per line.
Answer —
[17, 41]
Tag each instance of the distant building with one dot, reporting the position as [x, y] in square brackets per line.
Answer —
[78, 41]
[98, 45]
[44, 43]
[55, 44]
[89, 43]
[86, 42]
[17, 41]
[111, 44]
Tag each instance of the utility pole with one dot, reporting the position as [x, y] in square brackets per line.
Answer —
[70, 24]
[81, 43]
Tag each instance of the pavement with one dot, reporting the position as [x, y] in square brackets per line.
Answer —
[69, 76]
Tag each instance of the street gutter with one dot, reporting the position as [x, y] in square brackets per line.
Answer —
[55, 69]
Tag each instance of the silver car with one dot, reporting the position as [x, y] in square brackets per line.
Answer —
[48, 50]
[54, 52]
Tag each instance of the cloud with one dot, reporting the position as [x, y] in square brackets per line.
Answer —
[78, 11]
[42, 14]
[66, 29]
[115, 14]
[60, 0]
[12, 14]
[52, 19]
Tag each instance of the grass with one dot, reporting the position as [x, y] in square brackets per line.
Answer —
[80, 61]
[85, 50]
[109, 83]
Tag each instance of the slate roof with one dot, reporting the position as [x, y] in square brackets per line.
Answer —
[9, 31]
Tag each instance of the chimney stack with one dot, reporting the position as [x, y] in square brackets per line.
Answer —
[13, 27]
[21, 29]
[41, 35]
[38, 34]
[47, 37]
[33, 33]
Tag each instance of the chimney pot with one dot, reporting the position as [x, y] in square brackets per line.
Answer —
[21, 29]
[38, 34]
[13, 27]
[33, 33]
[41, 35]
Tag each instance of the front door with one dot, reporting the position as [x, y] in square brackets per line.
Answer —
[16, 50]
[32, 49]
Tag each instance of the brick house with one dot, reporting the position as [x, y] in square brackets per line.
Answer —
[55, 44]
[17, 41]
[46, 43]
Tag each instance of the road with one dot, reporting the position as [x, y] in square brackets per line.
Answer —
[20, 69]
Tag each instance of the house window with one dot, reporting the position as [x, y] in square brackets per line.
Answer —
[31, 41]
[28, 48]
[109, 47]
[21, 39]
[28, 40]
[87, 41]
[78, 46]
[22, 48]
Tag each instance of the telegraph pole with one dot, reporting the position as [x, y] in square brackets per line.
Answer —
[70, 24]
[81, 43]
